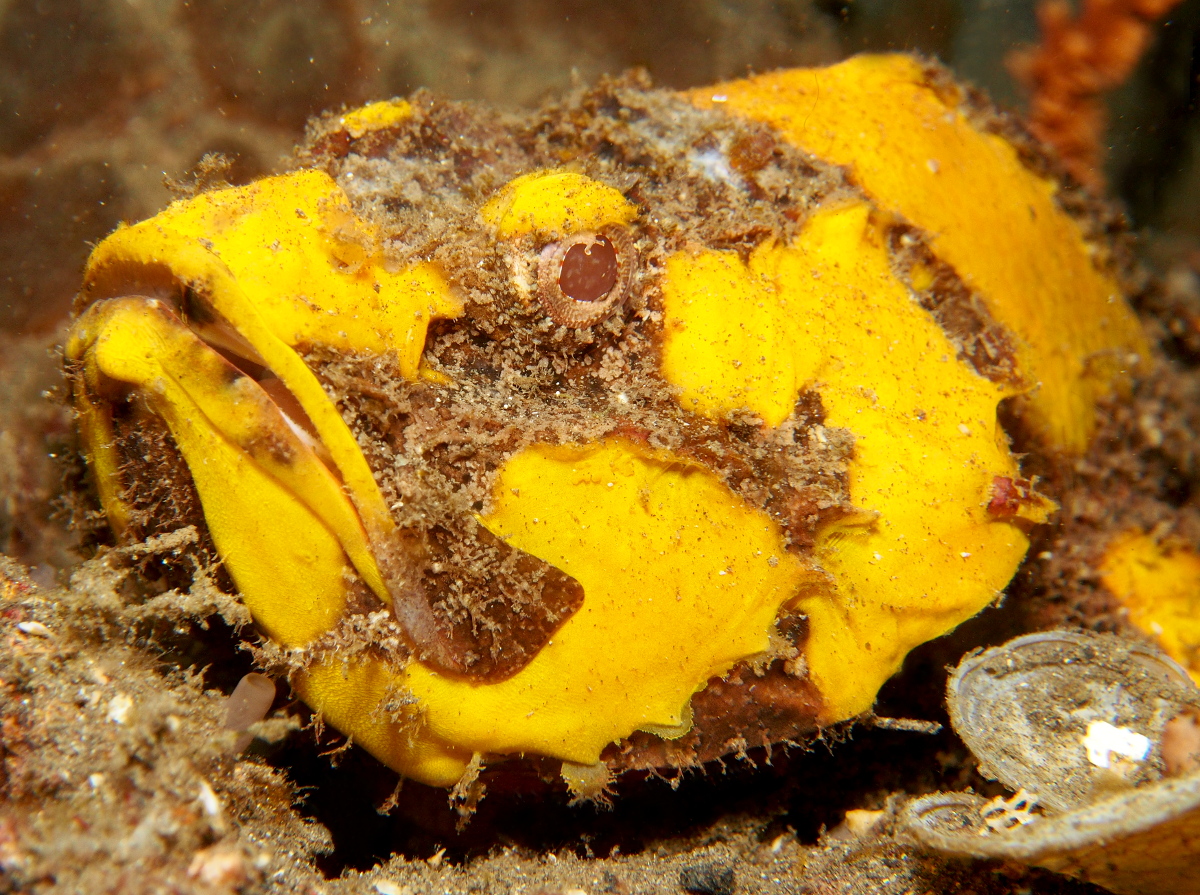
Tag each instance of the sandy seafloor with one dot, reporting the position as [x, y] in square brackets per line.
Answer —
[117, 776]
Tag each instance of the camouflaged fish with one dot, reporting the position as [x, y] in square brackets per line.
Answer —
[630, 433]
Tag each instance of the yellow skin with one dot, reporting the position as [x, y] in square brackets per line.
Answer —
[376, 116]
[694, 578]
[1158, 582]
[917, 155]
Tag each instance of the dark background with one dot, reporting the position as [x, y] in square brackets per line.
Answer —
[101, 100]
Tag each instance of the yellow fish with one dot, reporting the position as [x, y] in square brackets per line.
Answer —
[641, 430]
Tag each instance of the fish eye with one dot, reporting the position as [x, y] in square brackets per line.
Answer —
[583, 279]
[588, 269]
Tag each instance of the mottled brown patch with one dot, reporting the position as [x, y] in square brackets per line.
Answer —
[732, 715]
[746, 709]
[981, 341]
[472, 605]
[158, 484]
[752, 151]
[158, 490]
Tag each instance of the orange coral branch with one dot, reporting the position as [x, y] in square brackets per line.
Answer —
[1080, 57]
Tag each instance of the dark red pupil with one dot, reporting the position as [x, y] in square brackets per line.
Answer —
[588, 272]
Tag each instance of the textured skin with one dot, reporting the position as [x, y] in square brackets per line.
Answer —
[1157, 580]
[684, 577]
[902, 134]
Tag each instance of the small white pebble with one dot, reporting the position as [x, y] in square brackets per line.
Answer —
[1103, 739]
[860, 821]
[932, 165]
[387, 887]
[34, 629]
[720, 98]
[119, 707]
[964, 428]
[95, 781]
[219, 867]
[208, 800]
[965, 555]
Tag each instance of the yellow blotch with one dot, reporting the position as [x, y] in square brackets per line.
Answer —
[285, 265]
[904, 137]
[554, 204]
[366, 699]
[827, 313]
[376, 116]
[722, 360]
[1158, 582]
[682, 580]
